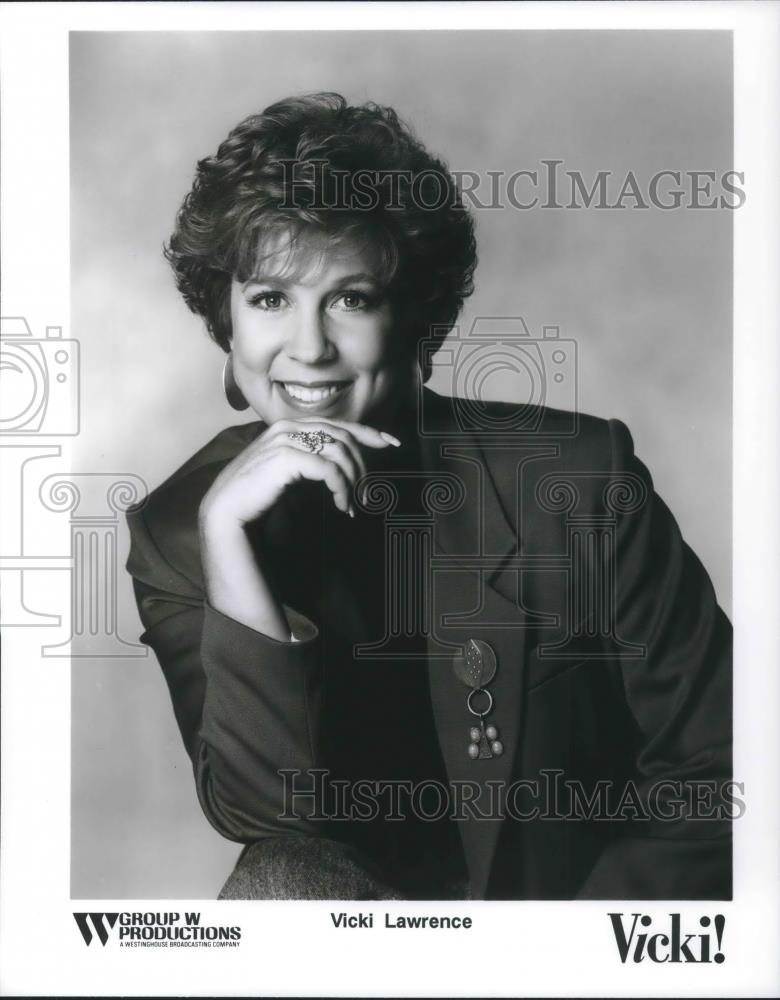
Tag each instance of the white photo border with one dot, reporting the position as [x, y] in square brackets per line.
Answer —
[514, 949]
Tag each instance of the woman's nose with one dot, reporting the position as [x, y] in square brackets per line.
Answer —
[309, 342]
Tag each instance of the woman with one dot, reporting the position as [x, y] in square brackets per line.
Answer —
[375, 598]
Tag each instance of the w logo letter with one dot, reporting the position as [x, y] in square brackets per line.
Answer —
[97, 923]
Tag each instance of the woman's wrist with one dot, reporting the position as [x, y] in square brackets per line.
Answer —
[235, 584]
[216, 522]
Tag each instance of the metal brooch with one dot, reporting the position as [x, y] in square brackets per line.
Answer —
[476, 669]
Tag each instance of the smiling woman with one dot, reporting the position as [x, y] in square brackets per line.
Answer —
[352, 597]
[319, 342]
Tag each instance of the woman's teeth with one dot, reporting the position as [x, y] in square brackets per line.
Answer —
[308, 394]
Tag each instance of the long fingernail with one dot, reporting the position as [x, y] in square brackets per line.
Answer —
[390, 439]
[351, 511]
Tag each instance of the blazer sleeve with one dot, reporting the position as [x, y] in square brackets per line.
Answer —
[246, 704]
[680, 695]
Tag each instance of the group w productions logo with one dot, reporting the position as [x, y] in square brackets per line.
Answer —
[103, 924]
[170, 929]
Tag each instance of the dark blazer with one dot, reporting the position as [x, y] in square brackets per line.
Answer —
[549, 543]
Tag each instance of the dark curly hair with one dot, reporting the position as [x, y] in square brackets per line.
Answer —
[315, 162]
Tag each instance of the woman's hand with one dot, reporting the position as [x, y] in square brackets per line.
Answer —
[249, 485]
[255, 479]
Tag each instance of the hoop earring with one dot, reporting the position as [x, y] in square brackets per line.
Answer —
[233, 394]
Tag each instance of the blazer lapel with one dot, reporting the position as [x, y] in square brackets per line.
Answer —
[465, 605]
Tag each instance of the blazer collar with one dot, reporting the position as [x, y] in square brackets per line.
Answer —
[446, 447]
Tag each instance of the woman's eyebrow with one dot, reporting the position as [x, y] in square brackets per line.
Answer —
[267, 279]
[353, 278]
[281, 282]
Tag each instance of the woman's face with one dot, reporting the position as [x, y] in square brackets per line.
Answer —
[317, 340]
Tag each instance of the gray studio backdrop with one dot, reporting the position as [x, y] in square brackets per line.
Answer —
[645, 293]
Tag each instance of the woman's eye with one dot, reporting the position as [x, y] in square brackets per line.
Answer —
[350, 301]
[269, 301]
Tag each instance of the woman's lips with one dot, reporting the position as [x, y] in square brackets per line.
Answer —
[313, 395]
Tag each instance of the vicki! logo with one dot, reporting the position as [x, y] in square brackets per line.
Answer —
[638, 938]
